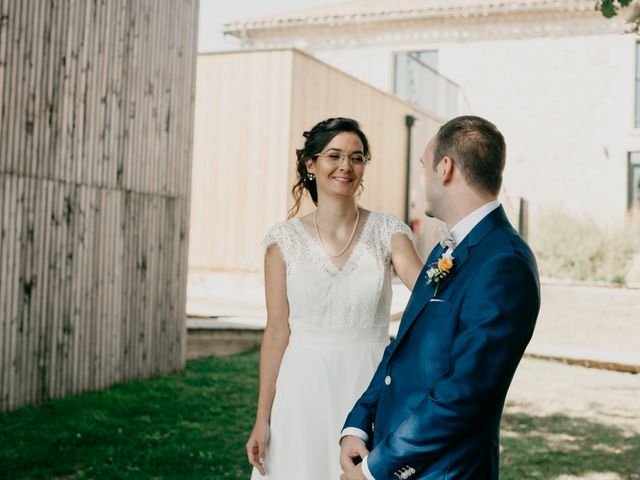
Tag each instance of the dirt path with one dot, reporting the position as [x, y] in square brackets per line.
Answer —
[585, 316]
[545, 388]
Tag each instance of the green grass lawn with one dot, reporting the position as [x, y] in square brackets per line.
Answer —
[194, 424]
[189, 425]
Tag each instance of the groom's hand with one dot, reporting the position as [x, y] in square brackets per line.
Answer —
[352, 448]
[354, 474]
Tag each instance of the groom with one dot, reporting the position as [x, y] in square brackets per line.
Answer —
[432, 410]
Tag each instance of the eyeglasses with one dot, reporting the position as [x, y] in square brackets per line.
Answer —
[355, 159]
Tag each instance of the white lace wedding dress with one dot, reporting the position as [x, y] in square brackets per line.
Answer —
[339, 320]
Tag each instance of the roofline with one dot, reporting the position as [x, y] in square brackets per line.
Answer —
[458, 12]
[307, 54]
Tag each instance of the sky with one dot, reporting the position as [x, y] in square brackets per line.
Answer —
[214, 13]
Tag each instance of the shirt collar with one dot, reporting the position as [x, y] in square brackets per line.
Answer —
[461, 229]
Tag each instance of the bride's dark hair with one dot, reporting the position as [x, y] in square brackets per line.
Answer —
[316, 139]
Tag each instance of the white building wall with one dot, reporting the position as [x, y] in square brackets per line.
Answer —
[565, 106]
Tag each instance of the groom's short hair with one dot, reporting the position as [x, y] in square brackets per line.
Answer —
[478, 149]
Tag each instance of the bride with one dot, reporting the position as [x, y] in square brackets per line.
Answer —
[328, 293]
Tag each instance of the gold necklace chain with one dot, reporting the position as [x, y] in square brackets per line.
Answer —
[355, 226]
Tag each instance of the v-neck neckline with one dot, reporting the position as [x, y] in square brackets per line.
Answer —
[325, 255]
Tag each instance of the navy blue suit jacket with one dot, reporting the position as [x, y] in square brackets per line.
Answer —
[434, 404]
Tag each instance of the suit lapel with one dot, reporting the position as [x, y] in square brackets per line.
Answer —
[421, 289]
[422, 292]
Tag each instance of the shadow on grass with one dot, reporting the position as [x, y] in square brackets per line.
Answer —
[194, 425]
[545, 447]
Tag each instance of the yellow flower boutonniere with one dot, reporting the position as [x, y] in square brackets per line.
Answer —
[445, 264]
[437, 271]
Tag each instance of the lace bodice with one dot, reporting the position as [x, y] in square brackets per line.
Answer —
[350, 302]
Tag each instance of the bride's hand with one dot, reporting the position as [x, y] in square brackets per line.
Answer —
[257, 445]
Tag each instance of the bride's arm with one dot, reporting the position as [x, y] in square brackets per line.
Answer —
[274, 342]
[405, 259]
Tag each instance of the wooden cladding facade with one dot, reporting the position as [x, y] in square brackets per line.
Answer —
[96, 130]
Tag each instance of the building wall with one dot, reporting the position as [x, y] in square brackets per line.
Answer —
[240, 154]
[559, 85]
[372, 65]
[95, 157]
[246, 134]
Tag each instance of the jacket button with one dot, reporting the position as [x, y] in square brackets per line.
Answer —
[387, 380]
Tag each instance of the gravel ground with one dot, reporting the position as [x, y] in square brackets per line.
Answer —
[602, 318]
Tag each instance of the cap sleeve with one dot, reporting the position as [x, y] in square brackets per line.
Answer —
[273, 236]
[395, 226]
[280, 234]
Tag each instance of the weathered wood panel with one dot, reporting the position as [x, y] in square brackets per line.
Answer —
[95, 167]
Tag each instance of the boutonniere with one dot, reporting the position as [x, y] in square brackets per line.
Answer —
[438, 271]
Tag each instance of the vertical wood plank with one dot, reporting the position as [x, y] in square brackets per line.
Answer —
[16, 52]
[4, 20]
[46, 325]
[6, 247]
[118, 291]
[16, 298]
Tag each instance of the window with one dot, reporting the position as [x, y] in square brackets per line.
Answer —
[637, 122]
[417, 81]
[633, 197]
[405, 62]
[428, 57]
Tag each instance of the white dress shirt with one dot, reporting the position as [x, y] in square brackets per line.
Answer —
[459, 231]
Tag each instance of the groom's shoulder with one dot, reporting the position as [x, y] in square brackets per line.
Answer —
[504, 242]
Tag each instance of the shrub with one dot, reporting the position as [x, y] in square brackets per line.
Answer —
[571, 247]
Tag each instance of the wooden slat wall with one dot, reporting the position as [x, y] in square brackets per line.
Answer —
[251, 111]
[95, 169]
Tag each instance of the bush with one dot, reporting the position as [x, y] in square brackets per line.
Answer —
[576, 248]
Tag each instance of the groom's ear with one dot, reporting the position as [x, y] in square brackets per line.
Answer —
[445, 169]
